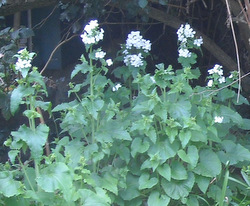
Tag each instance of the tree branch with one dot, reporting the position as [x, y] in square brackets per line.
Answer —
[213, 48]
[13, 6]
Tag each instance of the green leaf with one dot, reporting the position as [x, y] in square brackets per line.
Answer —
[212, 134]
[156, 199]
[65, 106]
[178, 189]
[191, 157]
[89, 198]
[12, 154]
[165, 171]
[95, 107]
[230, 149]
[202, 182]
[110, 183]
[192, 201]
[131, 191]
[123, 152]
[35, 76]
[74, 149]
[35, 139]
[55, 177]
[214, 192]
[17, 96]
[172, 133]
[151, 133]
[138, 146]
[209, 164]
[112, 129]
[184, 137]
[229, 114]
[198, 136]
[180, 109]
[245, 124]
[143, 3]
[178, 171]
[146, 182]
[165, 149]
[8, 186]
[79, 68]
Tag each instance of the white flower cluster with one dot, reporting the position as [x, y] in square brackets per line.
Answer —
[91, 34]
[135, 42]
[23, 61]
[100, 54]
[218, 119]
[116, 87]
[184, 33]
[109, 62]
[217, 70]
[135, 60]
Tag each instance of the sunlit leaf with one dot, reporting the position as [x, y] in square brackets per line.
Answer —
[55, 176]
[146, 182]
[234, 153]
[35, 139]
[178, 171]
[209, 164]
[8, 186]
[179, 189]
[17, 95]
[156, 199]
[165, 171]
[138, 146]
[89, 198]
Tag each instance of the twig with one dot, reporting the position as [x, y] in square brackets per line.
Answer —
[41, 23]
[244, 13]
[236, 48]
[53, 52]
[217, 90]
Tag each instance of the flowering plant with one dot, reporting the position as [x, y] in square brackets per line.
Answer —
[147, 140]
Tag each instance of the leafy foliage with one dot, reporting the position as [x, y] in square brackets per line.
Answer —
[159, 144]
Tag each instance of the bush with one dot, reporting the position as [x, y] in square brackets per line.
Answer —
[145, 140]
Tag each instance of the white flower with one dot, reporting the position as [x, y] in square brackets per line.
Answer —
[133, 60]
[188, 31]
[184, 53]
[100, 54]
[198, 42]
[116, 87]
[216, 70]
[93, 24]
[222, 80]
[99, 35]
[231, 76]
[210, 83]
[185, 32]
[23, 63]
[218, 119]
[87, 39]
[91, 34]
[109, 62]
[135, 40]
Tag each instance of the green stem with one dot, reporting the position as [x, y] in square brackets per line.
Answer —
[92, 102]
[224, 189]
[26, 175]
[32, 108]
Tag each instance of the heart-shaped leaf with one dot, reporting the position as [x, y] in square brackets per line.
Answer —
[146, 182]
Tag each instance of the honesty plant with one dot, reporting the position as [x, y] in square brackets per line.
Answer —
[149, 139]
